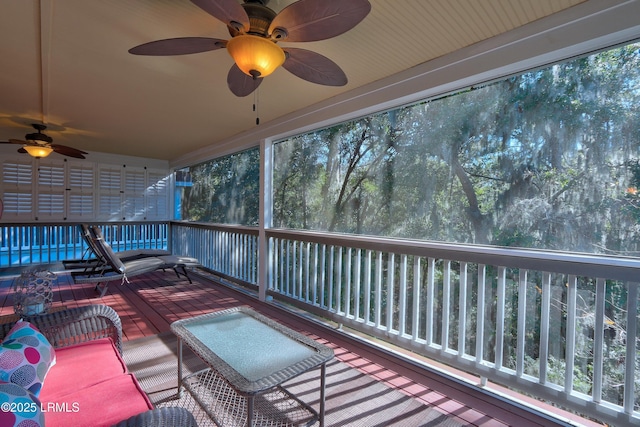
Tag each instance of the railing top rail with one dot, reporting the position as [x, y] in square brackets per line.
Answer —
[591, 265]
[224, 227]
[73, 223]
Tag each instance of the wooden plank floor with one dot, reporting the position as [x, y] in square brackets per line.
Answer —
[148, 304]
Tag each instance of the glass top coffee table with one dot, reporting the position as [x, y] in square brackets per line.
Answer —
[249, 357]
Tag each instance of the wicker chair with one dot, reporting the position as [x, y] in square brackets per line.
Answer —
[162, 417]
[77, 325]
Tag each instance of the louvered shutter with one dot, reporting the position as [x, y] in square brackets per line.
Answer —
[157, 195]
[80, 191]
[65, 189]
[134, 189]
[17, 189]
[50, 191]
[109, 193]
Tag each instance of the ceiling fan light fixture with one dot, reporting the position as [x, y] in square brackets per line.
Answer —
[256, 56]
[38, 151]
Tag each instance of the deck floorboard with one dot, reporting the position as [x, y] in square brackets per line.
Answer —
[148, 304]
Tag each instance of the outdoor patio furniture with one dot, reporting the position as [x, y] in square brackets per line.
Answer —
[92, 258]
[109, 267]
[161, 417]
[249, 356]
[89, 384]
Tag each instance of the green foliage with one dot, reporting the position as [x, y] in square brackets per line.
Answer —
[545, 159]
[548, 159]
[225, 190]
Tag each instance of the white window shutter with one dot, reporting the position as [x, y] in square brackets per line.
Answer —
[157, 195]
[50, 190]
[109, 193]
[67, 189]
[134, 189]
[80, 191]
[16, 189]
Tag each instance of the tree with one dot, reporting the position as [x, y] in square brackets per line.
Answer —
[547, 159]
[225, 190]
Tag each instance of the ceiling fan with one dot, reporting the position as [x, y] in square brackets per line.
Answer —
[40, 145]
[255, 29]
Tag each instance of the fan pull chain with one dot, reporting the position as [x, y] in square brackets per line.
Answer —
[255, 106]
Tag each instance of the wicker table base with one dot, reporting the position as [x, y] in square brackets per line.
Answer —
[226, 408]
[250, 358]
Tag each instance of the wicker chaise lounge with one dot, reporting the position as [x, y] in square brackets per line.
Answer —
[88, 346]
[108, 266]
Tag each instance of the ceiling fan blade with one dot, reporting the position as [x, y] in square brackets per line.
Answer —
[313, 67]
[22, 150]
[14, 141]
[311, 20]
[178, 46]
[228, 11]
[76, 155]
[68, 151]
[240, 83]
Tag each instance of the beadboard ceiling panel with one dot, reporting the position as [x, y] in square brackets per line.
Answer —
[65, 62]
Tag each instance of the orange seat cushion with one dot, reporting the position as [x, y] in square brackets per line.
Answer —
[103, 404]
[81, 366]
[90, 386]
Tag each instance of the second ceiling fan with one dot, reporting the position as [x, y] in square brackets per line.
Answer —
[39, 145]
[255, 29]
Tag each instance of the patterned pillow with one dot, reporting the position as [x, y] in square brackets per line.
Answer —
[19, 407]
[25, 357]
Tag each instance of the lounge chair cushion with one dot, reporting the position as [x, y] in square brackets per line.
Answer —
[110, 256]
[94, 232]
[26, 357]
[109, 267]
[172, 261]
[130, 267]
[140, 266]
[19, 407]
[140, 253]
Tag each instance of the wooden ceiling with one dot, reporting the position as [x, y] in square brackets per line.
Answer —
[65, 63]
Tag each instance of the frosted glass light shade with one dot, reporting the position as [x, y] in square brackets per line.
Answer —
[38, 150]
[254, 55]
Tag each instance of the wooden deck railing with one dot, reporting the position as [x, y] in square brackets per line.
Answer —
[27, 244]
[559, 326]
[231, 251]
